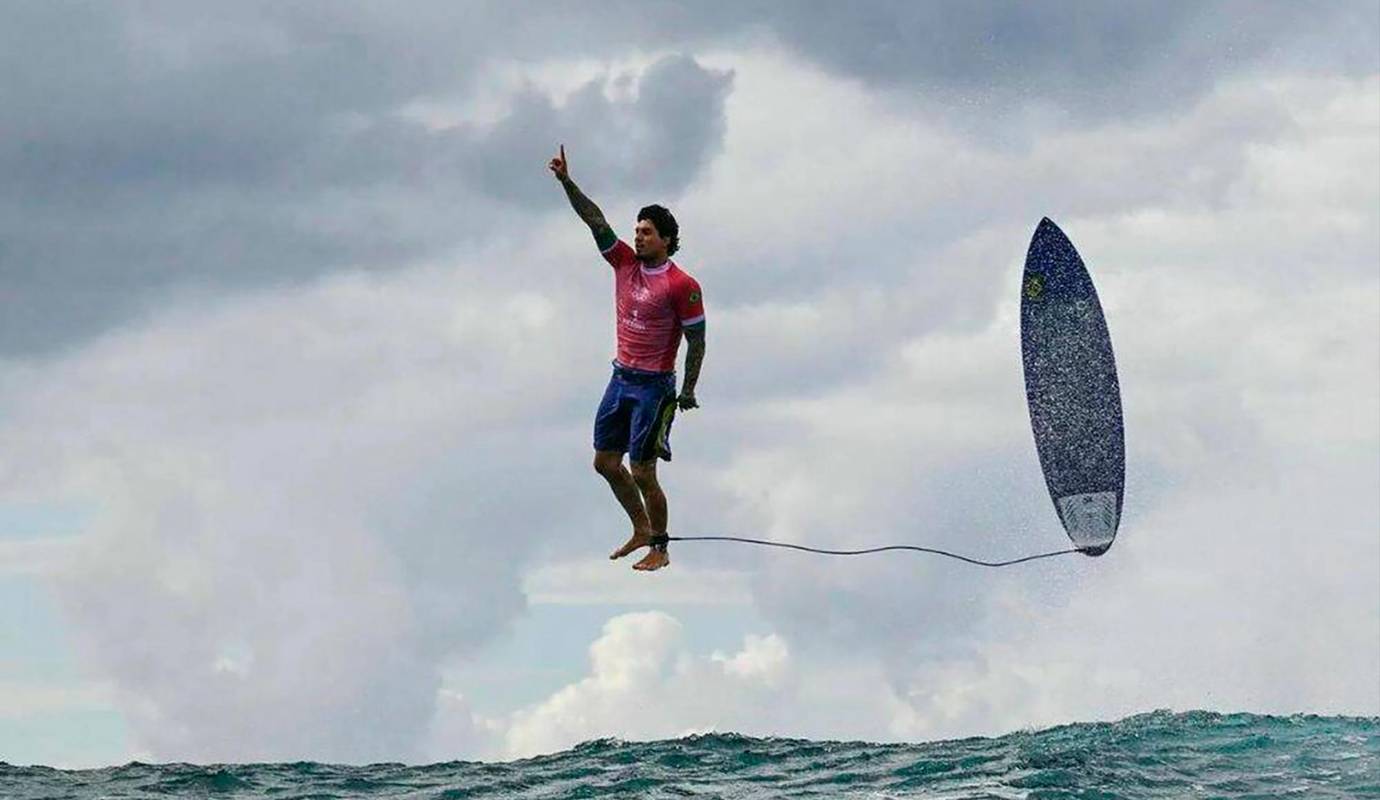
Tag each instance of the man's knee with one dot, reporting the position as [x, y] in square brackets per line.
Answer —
[644, 472]
[608, 464]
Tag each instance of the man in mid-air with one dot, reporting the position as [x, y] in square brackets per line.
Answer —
[656, 303]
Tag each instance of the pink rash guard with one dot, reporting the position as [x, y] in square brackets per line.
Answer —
[653, 306]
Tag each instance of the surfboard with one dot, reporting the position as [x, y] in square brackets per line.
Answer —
[1072, 391]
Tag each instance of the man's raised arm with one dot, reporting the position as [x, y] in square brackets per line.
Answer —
[583, 206]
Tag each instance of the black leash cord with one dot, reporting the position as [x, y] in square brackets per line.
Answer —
[822, 551]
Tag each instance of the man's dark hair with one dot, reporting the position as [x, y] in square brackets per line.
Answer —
[665, 225]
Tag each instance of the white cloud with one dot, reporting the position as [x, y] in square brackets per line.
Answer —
[294, 498]
[24, 699]
[644, 684]
[594, 581]
[764, 658]
[1219, 599]
[36, 556]
[1234, 248]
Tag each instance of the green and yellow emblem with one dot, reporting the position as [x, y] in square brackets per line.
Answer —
[1035, 286]
[695, 297]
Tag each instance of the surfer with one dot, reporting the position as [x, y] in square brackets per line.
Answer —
[656, 303]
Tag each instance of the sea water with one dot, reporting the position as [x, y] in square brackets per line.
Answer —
[1155, 755]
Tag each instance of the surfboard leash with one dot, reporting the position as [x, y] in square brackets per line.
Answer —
[658, 540]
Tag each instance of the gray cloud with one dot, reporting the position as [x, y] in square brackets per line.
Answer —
[243, 145]
[655, 143]
[168, 146]
[1089, 60]
[240, 145]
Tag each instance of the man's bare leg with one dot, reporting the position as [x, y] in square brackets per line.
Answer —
[644, 475]
[609, 463]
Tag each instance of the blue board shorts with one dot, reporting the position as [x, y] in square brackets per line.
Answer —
[636, 413]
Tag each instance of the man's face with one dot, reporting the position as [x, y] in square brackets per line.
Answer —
[647, 243]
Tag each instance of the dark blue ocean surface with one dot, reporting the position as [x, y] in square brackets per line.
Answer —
[1156, 755]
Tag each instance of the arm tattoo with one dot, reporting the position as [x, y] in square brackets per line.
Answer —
[585, 207]
[694, 357]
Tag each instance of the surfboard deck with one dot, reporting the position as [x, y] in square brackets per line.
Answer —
[1072, 390]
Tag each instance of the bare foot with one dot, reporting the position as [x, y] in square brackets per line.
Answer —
[639, 539]
[654, 560]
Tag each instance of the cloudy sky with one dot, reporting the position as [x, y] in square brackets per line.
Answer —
[300, 346]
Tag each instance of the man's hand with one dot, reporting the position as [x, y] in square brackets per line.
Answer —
[687, 400]
[559, 166]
